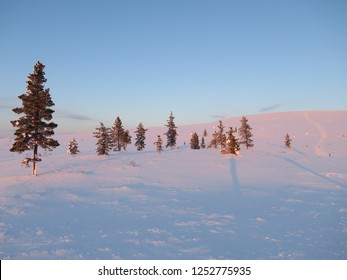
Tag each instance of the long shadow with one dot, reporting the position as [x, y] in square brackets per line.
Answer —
[311, 171]
[235, 184]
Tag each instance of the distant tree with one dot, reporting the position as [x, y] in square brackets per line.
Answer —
[287, 141]
[104, 143]
[159, 144]
[220, 136]
[205, 133]
[194, 142]
[117, 135]
[72, 148]
[203, 145]
[34, 129]
[171, 134]
[245, 133]
[140, 137]
[126, 139]
[213, 142]
[231, 144]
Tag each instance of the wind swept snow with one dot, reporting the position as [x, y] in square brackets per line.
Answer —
[268, 203]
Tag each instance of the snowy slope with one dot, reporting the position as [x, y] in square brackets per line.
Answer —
[269, 203]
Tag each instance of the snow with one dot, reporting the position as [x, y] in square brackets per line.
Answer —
[267, 203]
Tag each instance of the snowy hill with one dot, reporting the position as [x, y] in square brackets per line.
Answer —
[268, 203]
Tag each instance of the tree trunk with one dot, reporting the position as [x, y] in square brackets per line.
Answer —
[35, 161]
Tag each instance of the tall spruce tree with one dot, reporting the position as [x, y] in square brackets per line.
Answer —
[213, 142]
[34, 128]
[103, 144]
[231, 144]
[171, 134]
[194, 142]
[220, 136]
[117, 135]
[140, 137]
[245, 133]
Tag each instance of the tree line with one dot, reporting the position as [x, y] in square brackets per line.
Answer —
[35, 129]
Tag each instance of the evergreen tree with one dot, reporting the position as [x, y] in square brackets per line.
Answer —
[231, 144]
[103, 145]
[203, 146]
[287, 141]
[34, 128]
[220, 136]
[205, 132]
[245, 133]
[194, 142]
[72, 148]
[126, 139]
[159, 144]
[171, 134]
[213, 142]
[117, 135]
[140, 137]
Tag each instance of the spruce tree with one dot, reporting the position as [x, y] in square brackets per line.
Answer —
[245, 133]
[117, 135]
[205, 132]
[171, 134]
[231, 144]
[213, 142]
[203, 145]
[194, 142]
[159, 144]
[287, 141]
[126, 139]
[103, 145]
[34, 129]
[140, 137]
[72, 148]
[220, 136]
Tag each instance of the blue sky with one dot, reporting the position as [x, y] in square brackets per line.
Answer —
[204, 60]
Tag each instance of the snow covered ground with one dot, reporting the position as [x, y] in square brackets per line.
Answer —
[268, 203]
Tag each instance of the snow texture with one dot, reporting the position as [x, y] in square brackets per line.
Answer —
[267, 203]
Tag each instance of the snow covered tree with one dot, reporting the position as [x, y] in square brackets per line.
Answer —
[245, 133]
[231, 144]
[203, 145]
[72, 148]
[194, 141]
[213, 142]
[171, 134]
[287, 141]
[140, 137]
[159, 144]
[117, 135]
[103, 145]
[34, 128]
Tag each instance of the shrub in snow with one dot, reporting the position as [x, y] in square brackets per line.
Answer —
[72, 148]
[159, 144]
[287, 141]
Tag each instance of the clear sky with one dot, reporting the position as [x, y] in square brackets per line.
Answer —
[204, 60]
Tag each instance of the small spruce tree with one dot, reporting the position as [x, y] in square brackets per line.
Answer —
[72, 148]
[140, 137]
[213, 142]
[220, 136]
[245, 133]
[159, 144]
[171, 134]
[205, 132]
[103, 145]
[194, 142]
[203, 145]
[126, 139]
[287, 141]
[34, 129]
[117, 135]
[231, 144]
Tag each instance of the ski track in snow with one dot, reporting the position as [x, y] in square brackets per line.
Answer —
[269, 203]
